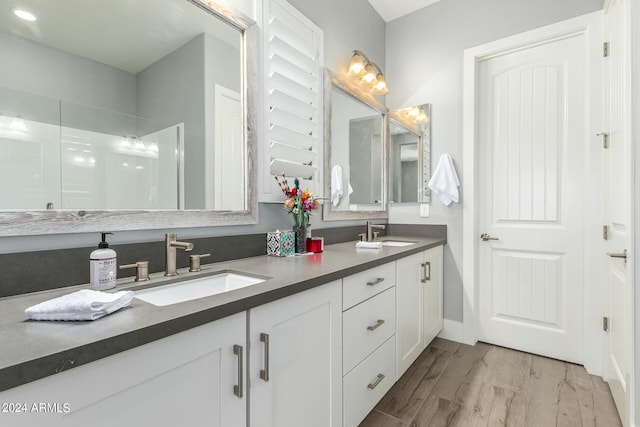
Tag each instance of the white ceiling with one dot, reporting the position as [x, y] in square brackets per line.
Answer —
[126, 34]
[392, 9]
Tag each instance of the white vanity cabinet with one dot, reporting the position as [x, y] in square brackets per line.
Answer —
[432, 294]
[418, 304]
[295, 360]
[369, 329]
[181, 380]
[409, 306]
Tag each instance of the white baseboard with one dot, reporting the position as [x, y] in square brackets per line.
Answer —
[452, 330]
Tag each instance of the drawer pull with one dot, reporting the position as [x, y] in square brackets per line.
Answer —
[426, 276]
[375, 282]
[376, 382]
[379, 323]
[264, 373]
[238, 389]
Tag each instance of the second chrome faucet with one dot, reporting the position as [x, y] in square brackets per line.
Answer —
[171, 244]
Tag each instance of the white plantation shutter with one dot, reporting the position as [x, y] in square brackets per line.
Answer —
[293, 99]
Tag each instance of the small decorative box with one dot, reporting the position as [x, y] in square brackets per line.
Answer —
[281, 243]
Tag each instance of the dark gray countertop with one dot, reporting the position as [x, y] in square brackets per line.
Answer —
[32, 350]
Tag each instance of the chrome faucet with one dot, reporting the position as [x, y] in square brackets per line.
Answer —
[171, 244]
[372, 236]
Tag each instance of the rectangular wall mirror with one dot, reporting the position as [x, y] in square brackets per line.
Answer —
[410, 154]
[135, 116]
[355, 152]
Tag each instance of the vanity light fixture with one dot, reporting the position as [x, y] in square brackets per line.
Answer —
[25, 15]
[415, 114]
[368, 73]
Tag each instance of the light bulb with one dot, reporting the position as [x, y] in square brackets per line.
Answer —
[357, 66]
[380, 86]
[370, 75]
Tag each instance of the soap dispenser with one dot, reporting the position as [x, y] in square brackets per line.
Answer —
[103, 266]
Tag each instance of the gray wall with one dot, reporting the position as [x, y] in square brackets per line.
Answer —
[66, 76]
[347, 25]
[172, 90]
[424, 57]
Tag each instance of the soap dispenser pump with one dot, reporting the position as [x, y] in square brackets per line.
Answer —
[103, 266]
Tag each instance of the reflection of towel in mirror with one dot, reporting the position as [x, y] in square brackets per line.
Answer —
[336, 185]
[444, 181]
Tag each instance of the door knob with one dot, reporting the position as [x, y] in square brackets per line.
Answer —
[619, 255]
[485, 237]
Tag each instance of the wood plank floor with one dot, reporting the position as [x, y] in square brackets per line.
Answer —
[454, 384]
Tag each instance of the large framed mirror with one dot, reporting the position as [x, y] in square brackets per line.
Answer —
[136, 115]
[410, 155]
[356, 160]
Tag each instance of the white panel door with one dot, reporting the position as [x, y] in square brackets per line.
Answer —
[432, 294]
[296, 360]
[618, 194]
[409, 311]
[531, 157]
[229, 154]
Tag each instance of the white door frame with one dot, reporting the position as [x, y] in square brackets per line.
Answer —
[635, 206]
[590, 27]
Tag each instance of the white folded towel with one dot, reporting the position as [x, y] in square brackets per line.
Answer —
[444, 181]
[368, 245]
[84, 304]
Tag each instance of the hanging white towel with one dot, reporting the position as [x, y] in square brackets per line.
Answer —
[444, 181]
[336, 185]
[84, 304]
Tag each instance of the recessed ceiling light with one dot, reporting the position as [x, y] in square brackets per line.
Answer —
[23, 14]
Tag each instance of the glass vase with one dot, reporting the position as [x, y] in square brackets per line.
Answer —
[300, 232]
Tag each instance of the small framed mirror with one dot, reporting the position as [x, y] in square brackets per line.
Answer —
[410, 154]
[356, 160]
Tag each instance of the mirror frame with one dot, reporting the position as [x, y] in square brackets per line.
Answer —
[342, 83]
[40, 222]
[424, 148]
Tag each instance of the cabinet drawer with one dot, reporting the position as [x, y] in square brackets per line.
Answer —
[366, 326]
[360, 391]
[360, 286]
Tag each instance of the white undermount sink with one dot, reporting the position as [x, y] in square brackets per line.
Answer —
[196, 288]
[397, 243]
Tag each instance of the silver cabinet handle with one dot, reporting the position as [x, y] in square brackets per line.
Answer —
[374, 384]
[485, 237]
[619, 255]
[375, 282]
[238, 389]
[264, 373]
[426, 276]
[379, 323]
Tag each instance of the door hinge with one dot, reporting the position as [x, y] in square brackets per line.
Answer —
[605, 324]
[605, 232]
[605, 49]
[605, 139]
